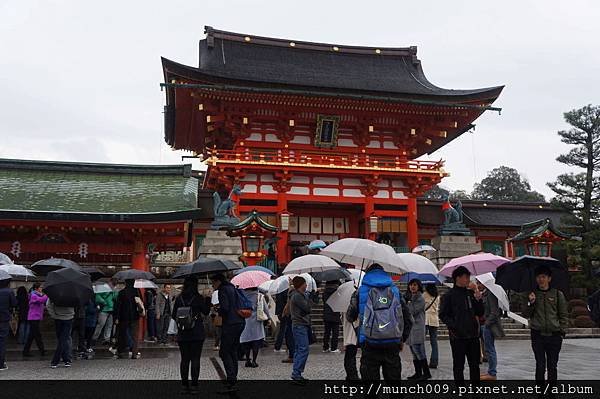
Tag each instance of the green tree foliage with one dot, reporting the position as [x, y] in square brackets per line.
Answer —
[436, 193]
[579, 193]
[505, 184]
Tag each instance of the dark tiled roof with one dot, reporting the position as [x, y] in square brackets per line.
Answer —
[66, 190]
[392, 71]
[535, 229]
[494, 214]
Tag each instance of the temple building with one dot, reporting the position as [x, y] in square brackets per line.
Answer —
[323, 140]
[106, 215]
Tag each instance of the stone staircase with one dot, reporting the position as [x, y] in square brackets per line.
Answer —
[217, 244]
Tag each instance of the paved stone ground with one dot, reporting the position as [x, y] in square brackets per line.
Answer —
[579, 360]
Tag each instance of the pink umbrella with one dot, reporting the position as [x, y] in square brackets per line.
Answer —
[251, 279]
[477, 264]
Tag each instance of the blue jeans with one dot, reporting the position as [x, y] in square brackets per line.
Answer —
[63, 346]
[300, 350]
[490, 350]
[433, 334]
[3, 335]
[23, 332]
[418, 352]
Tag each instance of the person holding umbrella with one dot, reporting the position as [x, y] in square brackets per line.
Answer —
[37, 304]
[491, 330]
[548, 320]
[127, 314]
[432, 321]
[8, 302]
[63, 323]
[459, 310]
[416, 339]
[105, 303]
[331, 319]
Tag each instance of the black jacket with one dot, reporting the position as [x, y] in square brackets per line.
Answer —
[228, 304]
[150, 300]
[459, 310]
[329, 315]
[280, 301]
[200, 307]
[126, 308]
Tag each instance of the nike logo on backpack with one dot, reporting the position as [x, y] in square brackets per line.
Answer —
[384, 325]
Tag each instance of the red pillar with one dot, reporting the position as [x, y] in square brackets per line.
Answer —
[369, 211]
[282, 243]
[411, 224]
[140, 262]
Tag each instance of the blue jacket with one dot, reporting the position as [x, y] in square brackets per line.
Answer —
[374, 278]
[8, 301]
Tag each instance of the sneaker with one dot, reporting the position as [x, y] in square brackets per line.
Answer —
[112, 350]
[137, 356]
[335, 351]
[279, 350]
[53, 366]
[3, 367]
[487, 377]
[299, 380]
[325, 350]
[216, 348]
[67, 364]
[288, 360]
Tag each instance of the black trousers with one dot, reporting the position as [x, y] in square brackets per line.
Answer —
[385, 359]
[228, 351]
[79, 330]
[123, 329]
[546, 350]
[331, 330]
[252, 346]
[350, 363]
[190, 355]
[465, 348]
[34, 335]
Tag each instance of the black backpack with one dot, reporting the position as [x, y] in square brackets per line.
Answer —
[184, 318]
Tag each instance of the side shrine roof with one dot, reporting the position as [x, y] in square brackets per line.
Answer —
[46, 190]
[242, 60]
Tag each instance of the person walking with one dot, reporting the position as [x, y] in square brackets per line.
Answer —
[127, 314]
[22, 312]
[459, 310]
[217, 320]
[350, 348]
[385, 325]
[331, 319]
[163, 313]
[35, 315]
[491, 330]
[432, 321]
[548, 320]
[233, 325]
[416, 339]
[150, 304]
[254, 330]
[8, 301]
[63, 323]
[300, 307]
[285, 327]
[188, 309]
[105, 303]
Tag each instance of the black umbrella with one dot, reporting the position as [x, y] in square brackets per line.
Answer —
[204, 265]
[68, 287]
[133, 274]
[597, 273]
[45, 266]
[519, 275]
[95, 273]
[332, 274]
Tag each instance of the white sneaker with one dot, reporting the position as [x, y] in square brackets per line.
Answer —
[279, 350]
[325, 350]
[336, 351]
[3, 367]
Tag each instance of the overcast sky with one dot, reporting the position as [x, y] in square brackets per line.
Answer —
[79, 80]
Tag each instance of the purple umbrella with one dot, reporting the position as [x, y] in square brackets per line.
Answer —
[477, 264]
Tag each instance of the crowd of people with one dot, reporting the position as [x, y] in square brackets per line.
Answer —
[379, 321]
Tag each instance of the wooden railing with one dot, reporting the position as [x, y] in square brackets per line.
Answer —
[324, 158]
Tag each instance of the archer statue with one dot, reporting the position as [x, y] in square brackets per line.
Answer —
[225, 211]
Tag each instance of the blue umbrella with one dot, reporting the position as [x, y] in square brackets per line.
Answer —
[425, 278]
[254, 268]
[317, 244]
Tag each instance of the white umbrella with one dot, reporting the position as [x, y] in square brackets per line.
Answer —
[281, 283]
[5, 259]
[266, 286]
[362, 253]
[100, 288]
[310, 264]
[357, 275]
[418, 264]
[423, 248]
[340, 299]
[489, 282]
[142, 283]
[17, 270]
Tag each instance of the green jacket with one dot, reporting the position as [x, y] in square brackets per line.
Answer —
[548, 314]
[106, 301]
